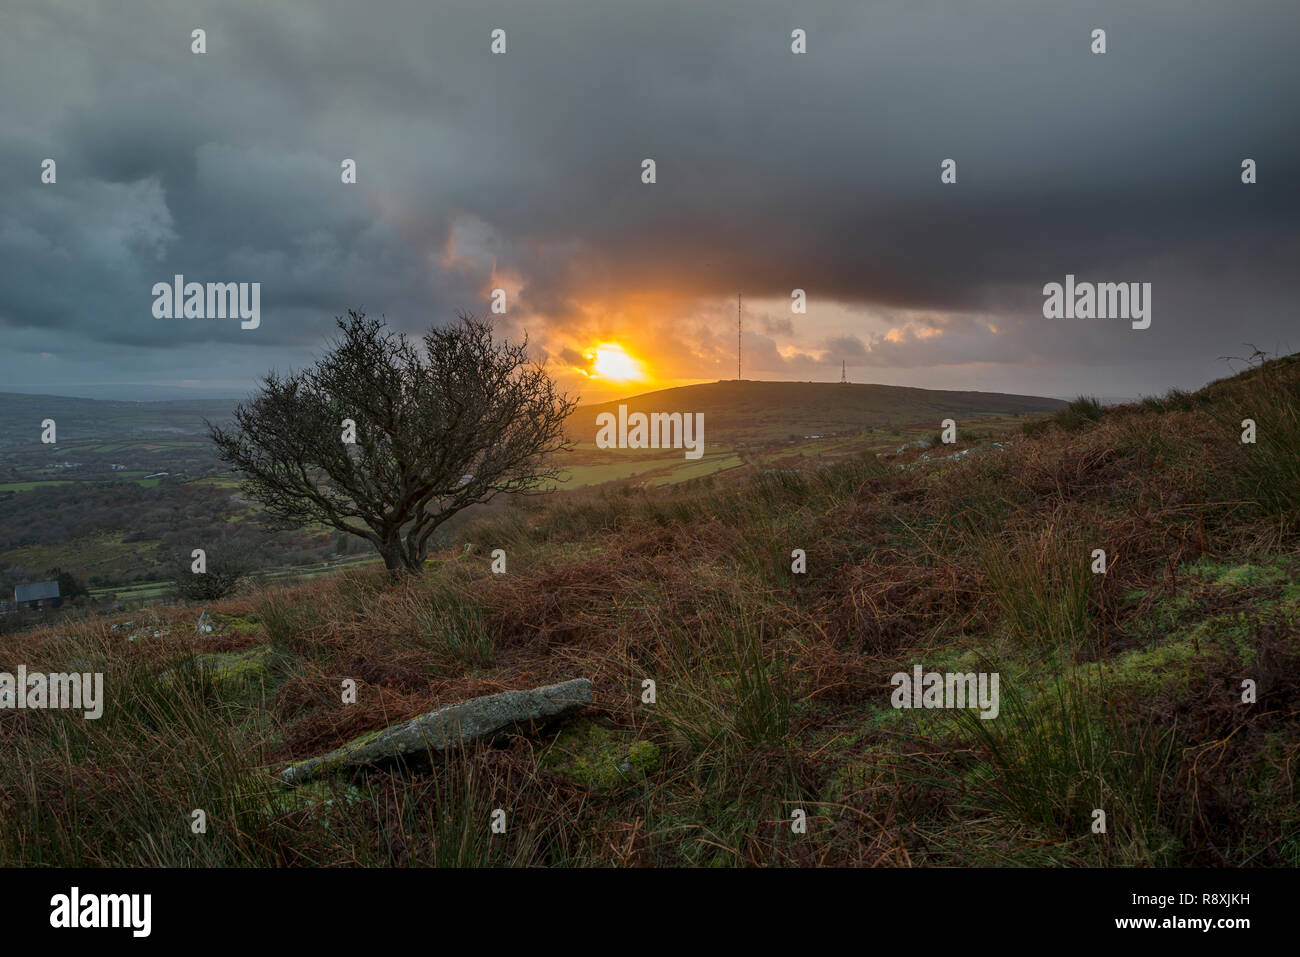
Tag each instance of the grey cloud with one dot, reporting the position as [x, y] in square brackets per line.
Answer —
[775, 171]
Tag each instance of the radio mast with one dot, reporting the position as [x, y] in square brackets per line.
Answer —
[737, 337]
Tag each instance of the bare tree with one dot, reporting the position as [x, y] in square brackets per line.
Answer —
[436, 430]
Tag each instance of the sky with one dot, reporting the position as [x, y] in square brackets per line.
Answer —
[774, 171]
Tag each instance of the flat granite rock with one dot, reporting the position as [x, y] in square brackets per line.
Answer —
[479, 719]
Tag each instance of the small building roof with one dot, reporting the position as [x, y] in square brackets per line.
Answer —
[36, 591]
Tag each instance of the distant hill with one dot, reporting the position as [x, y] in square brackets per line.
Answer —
[745, 411]
[21, 416]
[755, 411]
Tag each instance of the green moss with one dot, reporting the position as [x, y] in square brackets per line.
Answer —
[316, 795]
[1184, 627]
[1174, 658]
[229, 669]
[598, 757]
[236, 666]
[336, 757]
[1234, 576]
[241, 625]
[363, 739]
[642, 757]
[1145, 670]
[880, 713]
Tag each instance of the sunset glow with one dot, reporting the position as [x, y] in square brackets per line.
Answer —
[610, 361]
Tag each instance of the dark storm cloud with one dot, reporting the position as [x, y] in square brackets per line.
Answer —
[775, 171]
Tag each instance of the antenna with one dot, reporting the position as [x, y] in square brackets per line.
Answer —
[737, 337]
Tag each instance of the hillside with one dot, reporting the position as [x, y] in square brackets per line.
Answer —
[129, 483]
[756, 411]
[754, 425]
[21, 416]
[1162, 691]
[746, 411]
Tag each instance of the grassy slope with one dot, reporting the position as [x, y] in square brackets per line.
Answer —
[756, 424]
[755, 411]
[1120, 692]
[778, 424]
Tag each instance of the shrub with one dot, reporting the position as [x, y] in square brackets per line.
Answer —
[226, 563]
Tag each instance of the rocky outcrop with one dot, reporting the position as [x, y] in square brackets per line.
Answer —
[479, 719]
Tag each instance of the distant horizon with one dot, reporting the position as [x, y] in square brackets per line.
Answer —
[130, 392]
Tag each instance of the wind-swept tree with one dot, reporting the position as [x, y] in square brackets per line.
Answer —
[386, 441]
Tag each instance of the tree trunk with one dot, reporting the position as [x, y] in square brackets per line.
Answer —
[400, 556]
[390, 549]
[415, 562]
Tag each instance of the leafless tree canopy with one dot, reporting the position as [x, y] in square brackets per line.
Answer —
[437, 430]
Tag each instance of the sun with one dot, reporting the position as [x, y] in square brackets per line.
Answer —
[610, 361]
